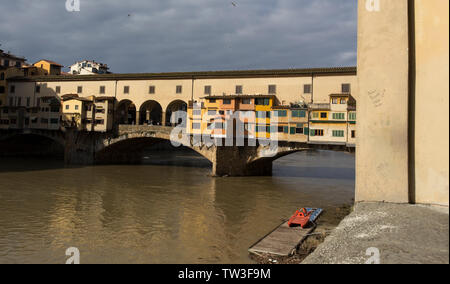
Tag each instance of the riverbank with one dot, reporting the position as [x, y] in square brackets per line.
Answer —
[401, 233]
[326, 223]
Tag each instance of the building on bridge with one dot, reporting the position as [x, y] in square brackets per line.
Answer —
[88, 114]
[277, 98]
[263, 117]
[330, 123]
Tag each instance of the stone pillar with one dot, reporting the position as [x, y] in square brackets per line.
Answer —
[79, 148]
[163, 119]
[383, 82]
[138, 117]
[234, 161]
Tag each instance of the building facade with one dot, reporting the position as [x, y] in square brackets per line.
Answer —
[271, 104]
[88, 67]
[49, 67]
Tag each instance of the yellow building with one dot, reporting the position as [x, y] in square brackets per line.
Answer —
[329, 122]
[88, 114]
[49, 67]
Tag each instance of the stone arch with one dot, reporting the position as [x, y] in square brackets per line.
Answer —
[126, 112]
[33, 142]
[128, 150]
[151, 113]
[174, 106]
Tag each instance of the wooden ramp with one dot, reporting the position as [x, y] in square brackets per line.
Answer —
[282, 241]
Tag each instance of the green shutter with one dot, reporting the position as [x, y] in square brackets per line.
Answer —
[306, 130]
[286, 129]
[292, 130]
[311, 132]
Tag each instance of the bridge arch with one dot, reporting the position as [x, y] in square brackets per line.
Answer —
[33, 142]
[126, 112]
[151, 113]
[174, 106]
[128, 149]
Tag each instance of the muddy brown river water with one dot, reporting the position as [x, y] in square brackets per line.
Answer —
[168, 210]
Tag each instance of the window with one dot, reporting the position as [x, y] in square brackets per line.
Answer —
[239, 89]
[102, 89]
[196, 125]
[100, 121]
[298, 113]
[246, 101]
[212, 112]
[197, 112]
[76, 107]
[262, 102]
[316, 132]
[323, 115]
[334, 101]
[353, 133]
[272, 89]
[280, 113]
[346, 88]
[227, 102]
[12, 89]
[315, 115]
[126, 89]
[179, 89]
[44, 120]
[352, 116]
[212, 101]
[67, 107]
[207, 90]
[38, 89]
[338, 133]
[19, 101]
[54, 121]
[80, 89]
[299, 130]
[343, 101]
[2, 76]
[263, 114]
[151, 89]
[307, 89]
[262, 128]
[28, 102]
[58, 89]
[100, 110]
[339, 116]
[2, 89]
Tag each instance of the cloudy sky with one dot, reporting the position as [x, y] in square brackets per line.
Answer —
[183, 35]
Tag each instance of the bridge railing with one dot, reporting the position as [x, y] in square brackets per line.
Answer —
[145, 128]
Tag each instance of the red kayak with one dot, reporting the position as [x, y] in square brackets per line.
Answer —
[300, 218]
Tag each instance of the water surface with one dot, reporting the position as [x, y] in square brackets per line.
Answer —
[168, 210]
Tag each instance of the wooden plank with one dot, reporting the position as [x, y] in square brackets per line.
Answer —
[283, 240]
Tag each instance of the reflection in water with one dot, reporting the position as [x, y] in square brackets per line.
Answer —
[168, 210]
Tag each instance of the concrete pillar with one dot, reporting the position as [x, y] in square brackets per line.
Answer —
[431, 104]
[382, 146]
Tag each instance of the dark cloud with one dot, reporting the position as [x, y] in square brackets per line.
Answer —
[184, 35]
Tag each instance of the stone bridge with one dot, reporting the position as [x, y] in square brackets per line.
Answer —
[126, 146]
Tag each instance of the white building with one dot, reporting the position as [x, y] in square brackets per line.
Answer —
[87, 67]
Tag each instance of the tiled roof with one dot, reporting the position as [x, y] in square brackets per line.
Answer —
[200, 75]
[51, 62]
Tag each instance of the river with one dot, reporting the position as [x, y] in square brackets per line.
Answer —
[168, 210]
